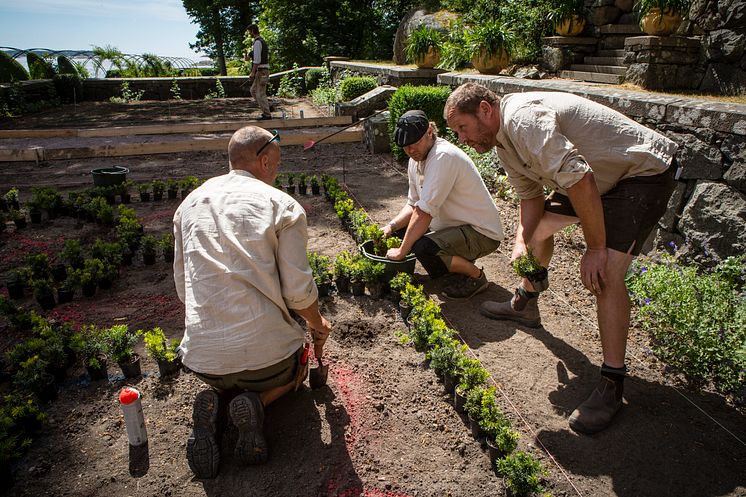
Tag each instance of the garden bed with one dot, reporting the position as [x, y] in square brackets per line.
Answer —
[384, 426]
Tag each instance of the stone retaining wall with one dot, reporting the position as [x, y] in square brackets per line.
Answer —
[708, 209]
[387, 74]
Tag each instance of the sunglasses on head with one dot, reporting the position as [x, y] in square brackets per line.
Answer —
[275, 136]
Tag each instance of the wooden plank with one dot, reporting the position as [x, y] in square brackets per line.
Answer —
[169, 147]
[164, 129]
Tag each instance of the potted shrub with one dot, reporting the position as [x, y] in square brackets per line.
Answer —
[44, 294]
[103, 211]
[343, 208]
[59, 272]
[528, 266]
[397, 284]
[124, 191]
[71, 253]
[423, 47]
[109, 272]
[357, 284]
[504, 442]
[491, 418]
[39, 265]
[144, 190]
[163, 351]
[522, 473]
[342, 271]
[302, 184]
[148, 244]
[121, 343]
[411, 297]
[315, 185]
[19, 217]
[166, 243]
[187, 185]
[445, 360]
[373, 278]
[158, 187]
[473, 409]
[34, 210]
[322, 276]
[470, 374]
[490, 45]
[172, 188]
[32, 377]
[661, 17]
[278, 181]
[66, 291]
[90, 344]
[19, 280]
[290, 187]
[11, 199]
[19, 318]
[567, 17]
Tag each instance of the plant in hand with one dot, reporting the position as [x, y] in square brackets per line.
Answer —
[528, 266]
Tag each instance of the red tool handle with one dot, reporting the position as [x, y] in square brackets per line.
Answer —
[304, 355]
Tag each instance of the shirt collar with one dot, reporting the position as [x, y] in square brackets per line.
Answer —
[241, 172]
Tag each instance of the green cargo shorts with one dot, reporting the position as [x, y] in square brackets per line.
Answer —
[463, 241]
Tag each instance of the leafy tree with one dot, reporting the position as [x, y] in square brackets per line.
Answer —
[222, 27]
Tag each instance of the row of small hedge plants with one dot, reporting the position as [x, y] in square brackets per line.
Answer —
[304, 180]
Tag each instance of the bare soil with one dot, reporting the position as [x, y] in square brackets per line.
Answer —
[383, 426]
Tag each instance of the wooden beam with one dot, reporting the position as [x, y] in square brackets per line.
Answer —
[165, 129]
[41, 154]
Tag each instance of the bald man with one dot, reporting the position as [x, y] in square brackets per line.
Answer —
[240, 266]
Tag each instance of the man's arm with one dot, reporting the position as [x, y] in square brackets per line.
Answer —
[400, 221]
[179, 258]
[586, 201]
[529, 215]
[419, 223]
[317, 324]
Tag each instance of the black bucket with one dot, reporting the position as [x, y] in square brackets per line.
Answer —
[107, 176]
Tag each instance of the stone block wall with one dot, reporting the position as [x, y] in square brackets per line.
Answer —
[662, 62]
[386, 74]
[707, 212]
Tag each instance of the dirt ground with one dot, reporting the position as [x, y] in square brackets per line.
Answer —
[383, 426]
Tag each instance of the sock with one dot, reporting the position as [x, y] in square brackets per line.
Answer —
[526, 294]
[616, 374]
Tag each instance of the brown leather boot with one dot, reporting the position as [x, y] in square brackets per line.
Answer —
[596, 413]
[520, 308]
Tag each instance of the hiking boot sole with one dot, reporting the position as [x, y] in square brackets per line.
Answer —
[203, 452]
[530, 323]
[251, 446]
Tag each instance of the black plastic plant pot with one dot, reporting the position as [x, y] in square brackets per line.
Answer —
[157, 196]
[20, 223]
[46, 302]
[131, 369]
[303, 190]
[316, 190]
[449, 383]
[89, 289]
[358, 288]
[459, 401]
[343, 284]
[127, 258]
[15, 291]
[539, 280]
[99, 373]
[35, 216]
[148, 258]
[172, 194]
[168, 255]
[59, 272]
[391, 268]
[126, 198]
[145, 197]
[169, 368]
[65, 296]
[324, 289]
[104, 284]
[111, 199]
[476, 431]
[290, 189]
[492, 450]
[376, 290]
[108, 176]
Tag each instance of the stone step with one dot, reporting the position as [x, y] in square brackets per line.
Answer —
[595, 77]
[610, 53]
[598, 68]
[619, 29]
[604, 61]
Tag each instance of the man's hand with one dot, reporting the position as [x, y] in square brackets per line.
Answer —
[519, 249]
[387, 230]
[396, 254]
[320, 333]
[593, 270]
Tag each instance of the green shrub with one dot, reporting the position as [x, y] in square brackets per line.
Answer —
[11, 70]
[69, 87]
[121, 342]
[65, 66]
[292, 84]
[522, 473]
[127, 94]
[697, 319]
[218, 92]
[353, 87]
[420, 42]
[430, 99]
[314, 76]
[158, 346]
[38, 67]
[175, 90]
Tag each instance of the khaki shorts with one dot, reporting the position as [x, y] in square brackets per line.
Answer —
[259, 380]
[463, 241]
[631, 209]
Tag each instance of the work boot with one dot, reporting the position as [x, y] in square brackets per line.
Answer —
[203, 451]
[596, 413]
[466, 288]
[247, 413]
[521, 308]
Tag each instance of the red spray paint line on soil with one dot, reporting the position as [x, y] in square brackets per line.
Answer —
[351, 389]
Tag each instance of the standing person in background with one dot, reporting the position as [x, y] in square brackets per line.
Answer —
[259, 77]
[609, 173]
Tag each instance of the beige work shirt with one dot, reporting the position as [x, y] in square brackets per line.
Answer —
[240, 264]
[554, 139]
[448, 186]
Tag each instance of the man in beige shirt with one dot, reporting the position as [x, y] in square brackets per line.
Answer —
[240, 266]
[607, 172]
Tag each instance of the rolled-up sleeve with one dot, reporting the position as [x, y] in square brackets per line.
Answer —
[296, 279]
[539, 140]
[438, 184]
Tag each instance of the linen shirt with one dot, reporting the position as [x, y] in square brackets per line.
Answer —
[448, 186]
[240, 263]
[554, 139]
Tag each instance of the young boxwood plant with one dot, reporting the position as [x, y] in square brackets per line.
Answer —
[522, 473]
[91, 344]
[158, 346]
[121, 342]
[471, 374]
[397, 284]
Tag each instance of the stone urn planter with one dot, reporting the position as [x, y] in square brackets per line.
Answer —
[490, 64]
[570, 27]
[429, 60]
[657, 23]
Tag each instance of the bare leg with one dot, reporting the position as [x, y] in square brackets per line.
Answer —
[542, 243]
[463, 266]
[613, 309]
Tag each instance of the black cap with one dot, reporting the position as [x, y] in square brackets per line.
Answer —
[410, 127]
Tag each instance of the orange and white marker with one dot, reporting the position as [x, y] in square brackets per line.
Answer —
[129, 401]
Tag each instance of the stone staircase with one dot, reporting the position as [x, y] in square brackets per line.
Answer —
[606, 65]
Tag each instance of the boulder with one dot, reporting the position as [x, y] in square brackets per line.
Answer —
[440, 20]
[725, 45]
[715, 219]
